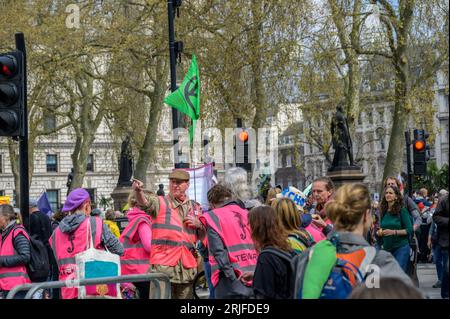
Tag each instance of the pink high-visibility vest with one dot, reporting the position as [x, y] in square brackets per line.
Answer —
[65, 246]
[172, 241]
[315, 232]
[17, 275]
[135, 259]
[231, 224]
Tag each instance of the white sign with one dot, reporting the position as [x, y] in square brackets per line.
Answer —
[376, 197]
[200, 182]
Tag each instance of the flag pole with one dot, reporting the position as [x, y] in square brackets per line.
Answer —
[194, 164]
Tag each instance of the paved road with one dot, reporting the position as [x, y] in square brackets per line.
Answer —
[427, 278]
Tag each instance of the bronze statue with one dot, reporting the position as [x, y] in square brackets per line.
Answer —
[69, 180]
[126, 164]
[342, 143]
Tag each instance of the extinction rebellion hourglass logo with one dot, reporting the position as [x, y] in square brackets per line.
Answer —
[241, 224]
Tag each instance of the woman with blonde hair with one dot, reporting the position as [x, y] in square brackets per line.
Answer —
[110, 220]
[272, 195]
[289, 217]
[350, 212]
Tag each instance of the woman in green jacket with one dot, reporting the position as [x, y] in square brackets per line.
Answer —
[396, 225]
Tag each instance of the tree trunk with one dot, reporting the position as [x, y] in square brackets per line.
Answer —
[256, 65]
[147, 151]
[394, 158]
[348, 43]
[402, 109]
[14, 161]
[352, 95]
[80, 159]
[86, 128]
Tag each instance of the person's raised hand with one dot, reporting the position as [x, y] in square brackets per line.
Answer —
[192, 222]
[137, 185]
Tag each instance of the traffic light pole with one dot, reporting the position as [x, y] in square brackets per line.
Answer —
[23, 141]
[408, 161]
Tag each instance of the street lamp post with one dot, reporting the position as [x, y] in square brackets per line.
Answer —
[175, 48]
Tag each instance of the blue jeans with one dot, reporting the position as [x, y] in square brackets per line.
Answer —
[207, 267]
[440, 260]
[402, 256]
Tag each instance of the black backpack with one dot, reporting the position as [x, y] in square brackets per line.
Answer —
[292, 259]
[38, 268]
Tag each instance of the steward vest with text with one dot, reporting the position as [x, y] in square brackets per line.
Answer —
[171, 240]
[231, 224]
[135, 259]
[66, 245]
[11, 277]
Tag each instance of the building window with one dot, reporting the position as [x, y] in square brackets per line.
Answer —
[91, 192]
[2, 192]
[90, 163]
[1, 163]
[288, 160]
[53, 198]
[52, 163]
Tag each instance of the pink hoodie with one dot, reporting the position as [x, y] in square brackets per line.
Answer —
[145, 232]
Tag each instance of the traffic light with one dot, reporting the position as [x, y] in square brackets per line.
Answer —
[420, 152]
[12, 91]
[242, 149]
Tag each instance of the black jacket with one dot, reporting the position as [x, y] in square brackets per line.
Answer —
[440, 217]
[21, 246]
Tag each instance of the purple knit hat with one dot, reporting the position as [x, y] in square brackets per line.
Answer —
[75, 199]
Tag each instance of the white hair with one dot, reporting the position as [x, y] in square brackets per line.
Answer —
[442, 193]
[236, 180]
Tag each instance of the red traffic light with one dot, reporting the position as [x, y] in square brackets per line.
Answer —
[243, 136]
[7, 66]
[419, 146]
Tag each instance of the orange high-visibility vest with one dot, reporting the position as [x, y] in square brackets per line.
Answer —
[171, 240]
[231, 224]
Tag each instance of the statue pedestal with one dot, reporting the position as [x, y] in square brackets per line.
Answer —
[345, 174]
[120, 196]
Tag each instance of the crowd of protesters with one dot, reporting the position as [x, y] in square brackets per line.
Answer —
[270, 246]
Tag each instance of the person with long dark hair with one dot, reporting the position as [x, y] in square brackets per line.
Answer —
[273, 273]
[396, 226]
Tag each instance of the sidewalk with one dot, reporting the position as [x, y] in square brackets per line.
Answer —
[427, 278]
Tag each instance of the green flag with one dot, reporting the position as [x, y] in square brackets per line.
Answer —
[186, 98]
